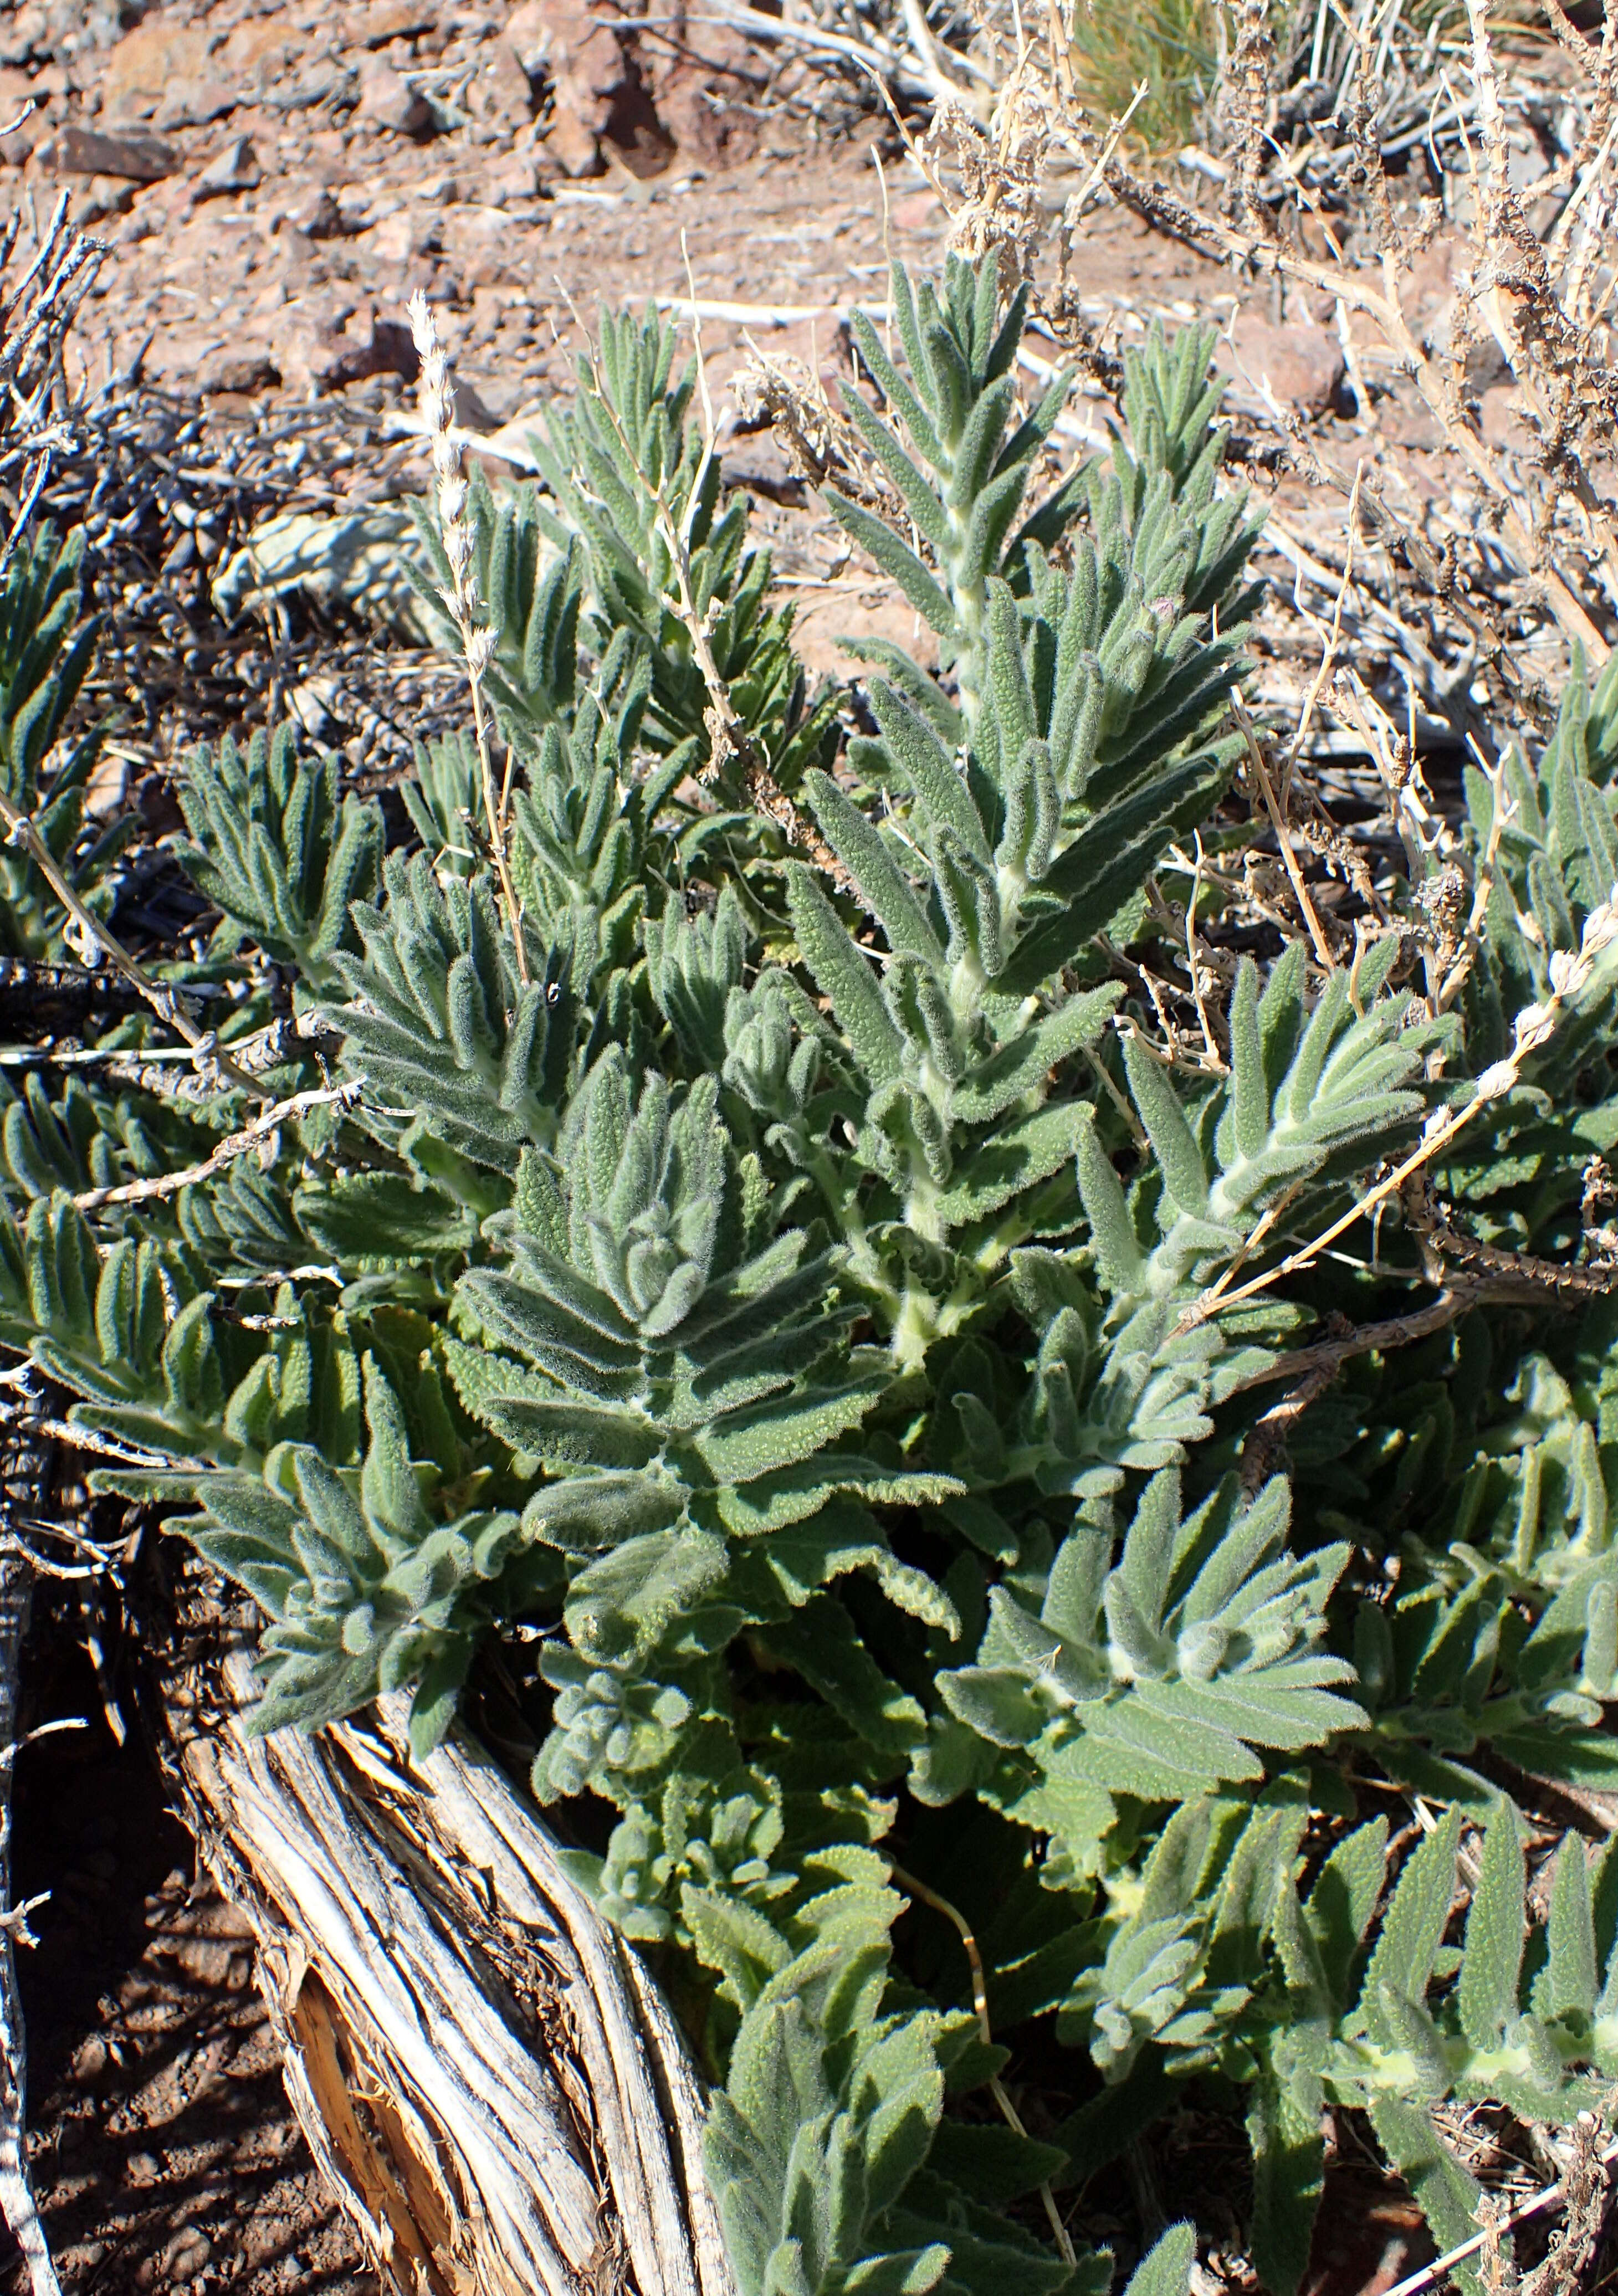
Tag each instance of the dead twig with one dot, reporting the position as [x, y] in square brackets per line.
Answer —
[164, 1002]
[1562, 2193]
[257, 1136]
[1260, 773]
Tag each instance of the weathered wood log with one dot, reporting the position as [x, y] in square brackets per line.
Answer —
[484, 2071]
[16, 2192]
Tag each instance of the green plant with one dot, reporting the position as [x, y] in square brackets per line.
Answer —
[833, 1309]
[47, 646]
[1172, 45]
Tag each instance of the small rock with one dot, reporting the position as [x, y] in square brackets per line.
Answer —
[316, 214]
[242, 373]
[388, 102]
[589, 73]
[1302, 365]
[81, 27]
[527, 36]
[89, 2060]
[471, 413]
[328, 355]
[86, 152]
[159, 62]
[501, 93]
[187, 2254]
[235, 168]
[396, 19]
[141, 2168]
[109, 195]
[256, 56]
[197, 104]
[307, 704]
[204, 1960]
[510, 180]
[23, 35]
[399, 237]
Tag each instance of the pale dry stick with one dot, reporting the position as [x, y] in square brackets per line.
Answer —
[1311, 918]
[702, 370]
[979, 2004]
[101, 1446]
[164, 1002]
[1121, 1100]
[1196, 983]
[1061, 41]
[925, 50]
[1434, 2274]
[1329, 650]
[1533, 1027]
[1588, 182]
[757, 315]
[1578, 276]
[1356, 375]
[1601, 70]
[461, 601]
[36, 487]
[887, 247]
[233, 1144]
[51, 304]
[1073, 206]
[763, 27]
[16, 2189]
[1266, 1220]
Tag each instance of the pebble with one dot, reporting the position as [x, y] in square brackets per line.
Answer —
[187, 2254]
[233, 169]
[389, 101]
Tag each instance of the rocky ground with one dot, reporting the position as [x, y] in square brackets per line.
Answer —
[272, 181]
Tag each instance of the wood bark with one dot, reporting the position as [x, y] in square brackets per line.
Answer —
[484, 2069]
[16, 2191]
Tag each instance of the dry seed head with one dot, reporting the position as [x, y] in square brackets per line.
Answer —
[1497, 1081]
[1601, 925]
[436, 398]
[433, 384]
[1568, 973]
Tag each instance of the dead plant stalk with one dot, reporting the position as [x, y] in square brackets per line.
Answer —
[461, 600]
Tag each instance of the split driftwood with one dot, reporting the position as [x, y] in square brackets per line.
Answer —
[16, 2192]
[485, 2072]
